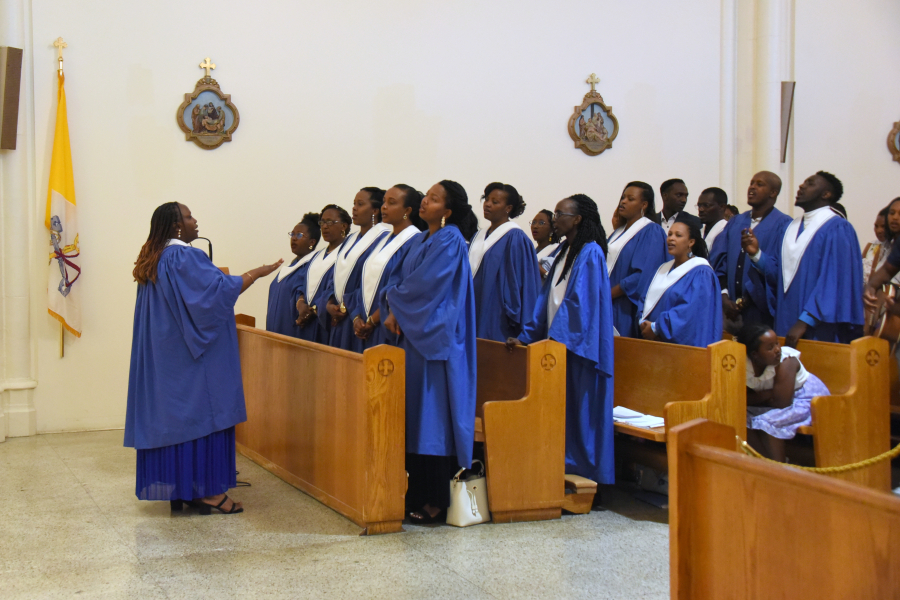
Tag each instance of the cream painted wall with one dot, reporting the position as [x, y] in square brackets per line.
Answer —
[334, 97]
[847, 100]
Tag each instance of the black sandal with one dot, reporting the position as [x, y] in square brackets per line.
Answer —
[206, 508]
[176, 505]
[422, 517]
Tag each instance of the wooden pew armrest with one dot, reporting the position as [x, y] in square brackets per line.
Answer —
[656, 434]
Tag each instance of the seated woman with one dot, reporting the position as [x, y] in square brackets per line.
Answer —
[779, 391]
[504, 267]
[281, 314]
[683, 304]
[542, 234]
[382, 269]
[185, 393]
[575, 309]
[432, 309]
[313, 292]
[636, 249]
[351, 257]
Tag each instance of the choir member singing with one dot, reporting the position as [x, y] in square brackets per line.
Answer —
[185, 393]
[779, 391]
[351, 257]
[313, 292]
[504, 267]
[636, 249]
[673, 194]
[546, 245]
[814, 276]
[682, 304]
[743, 287]
[711, 208]
[432, 309]
[383, 268]
[575, 309]
[281, 314]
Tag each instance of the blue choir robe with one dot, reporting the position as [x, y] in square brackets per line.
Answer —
[281, 313]
[318, 330]
[584, 323]
[507, 284]
[826, 291]
[185, 377]
[342, 335]
[434, 304]
[689, 311]
[637, 263]
[733, 267]
[390, 277]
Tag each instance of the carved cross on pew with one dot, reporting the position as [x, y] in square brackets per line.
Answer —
[207, 65]
[593, 80]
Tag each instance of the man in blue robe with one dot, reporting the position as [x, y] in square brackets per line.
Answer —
[743, 287]
[814, 276]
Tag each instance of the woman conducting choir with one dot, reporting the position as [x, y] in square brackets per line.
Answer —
[504, 267]
[546, 245]
[382, 269]
[779, 391]
[351, 257]
[432, 309]
[185, 393]
[683, 304]
[636, 249]
[281, 314]
[575, 309]
[313, 291]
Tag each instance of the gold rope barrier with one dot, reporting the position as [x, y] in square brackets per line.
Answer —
[890, 454]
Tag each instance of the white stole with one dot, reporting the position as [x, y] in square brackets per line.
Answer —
[619, 239]
[378, 260]
[714, 232]
[318, 266]
[480, 246]
[665, 278]
[546, 252]
[793, 248]
[286, 269]
[557, 292]
[349, 253]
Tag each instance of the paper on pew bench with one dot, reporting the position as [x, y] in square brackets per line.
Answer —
[620, 412]
[636, 419]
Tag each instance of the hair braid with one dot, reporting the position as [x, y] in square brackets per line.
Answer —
[589, 230]
[164, 218]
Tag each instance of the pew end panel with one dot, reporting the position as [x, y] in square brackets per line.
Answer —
[329, 422]
[741, 527]
[855, 425]
[522, 406]
[243, 319]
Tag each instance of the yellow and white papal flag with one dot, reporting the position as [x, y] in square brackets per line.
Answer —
[63, 286]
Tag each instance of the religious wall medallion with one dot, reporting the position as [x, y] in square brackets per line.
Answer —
[894, 141]
[207, 116]
[590, 124]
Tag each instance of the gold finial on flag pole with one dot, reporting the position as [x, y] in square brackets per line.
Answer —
[60, 44]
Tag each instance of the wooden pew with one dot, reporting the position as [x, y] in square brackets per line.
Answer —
[678, 383]
[521, 418]
[852, 424]
[740, 527]
[329, 422]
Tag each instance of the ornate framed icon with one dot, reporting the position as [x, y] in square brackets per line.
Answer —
[591, 122]
[207, 116]
[894, 141]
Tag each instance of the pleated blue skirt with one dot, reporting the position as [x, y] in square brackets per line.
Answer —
[195, 469]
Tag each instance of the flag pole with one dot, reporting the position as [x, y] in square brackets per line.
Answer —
[60, 44]
[62, 337]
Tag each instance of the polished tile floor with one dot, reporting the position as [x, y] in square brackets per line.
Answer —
[70, 527]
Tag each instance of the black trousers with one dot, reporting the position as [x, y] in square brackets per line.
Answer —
[429, 480]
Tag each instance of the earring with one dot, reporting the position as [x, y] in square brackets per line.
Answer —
[551, 237]
[642, 212]
[443, 222]
[311, 247]
[405, 217]
[179, 234]
[373, 219]
[343, 233]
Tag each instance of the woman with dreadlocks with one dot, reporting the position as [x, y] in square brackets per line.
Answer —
[683, 304]
[575, 309]
[504, 267]
[432, 309]
[281, 313]
[184, 388]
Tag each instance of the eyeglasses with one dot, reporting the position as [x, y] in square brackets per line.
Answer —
[329, 223]
[538, 223]
[295, 236]
[558, 214]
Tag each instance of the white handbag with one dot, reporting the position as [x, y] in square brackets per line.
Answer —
[468, 499]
